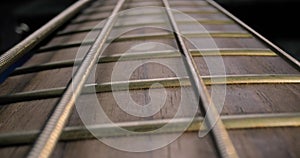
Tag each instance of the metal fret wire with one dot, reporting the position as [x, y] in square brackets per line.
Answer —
[171, 82]
[149, 36]
[145, 55]
[88, 29]
[231, 122]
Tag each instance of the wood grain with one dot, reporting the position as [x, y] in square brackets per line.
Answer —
[239, 99]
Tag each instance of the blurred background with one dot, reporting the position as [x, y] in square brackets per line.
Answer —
[274, 19]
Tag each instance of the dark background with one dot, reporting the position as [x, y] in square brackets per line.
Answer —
[274, 19]
[277, 20]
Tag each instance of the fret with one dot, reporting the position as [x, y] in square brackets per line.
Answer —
[87, 20]
[150, 36]
[186, 34]
[88, 13]
[53, 128]
[64, 45]
[219, 134]
[99, 18]
[81, 30]
[173, 3]
[147, 83]
[202, 22]
[101, 9]
[231, 122]
[146, 55]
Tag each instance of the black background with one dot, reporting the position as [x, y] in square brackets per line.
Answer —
[274, 19]
[277, 20]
